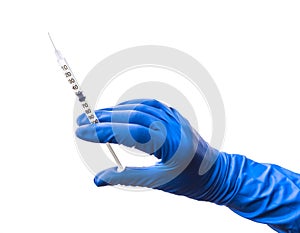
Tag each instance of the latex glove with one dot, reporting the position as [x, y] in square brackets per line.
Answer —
[154, 128]
[264, 193]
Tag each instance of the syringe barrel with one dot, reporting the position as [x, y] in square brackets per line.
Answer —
[68, 74]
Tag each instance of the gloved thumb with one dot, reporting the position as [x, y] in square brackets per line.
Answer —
[130, 176]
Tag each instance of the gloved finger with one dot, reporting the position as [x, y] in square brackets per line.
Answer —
[149, 102]
[158, 113]
[83, 120]
[150, 177]
[121, 116]
[131, 135]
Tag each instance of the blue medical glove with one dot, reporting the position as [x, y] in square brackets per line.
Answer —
[189, 166]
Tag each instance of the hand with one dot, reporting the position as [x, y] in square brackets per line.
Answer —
[188, 166]
[186, 160]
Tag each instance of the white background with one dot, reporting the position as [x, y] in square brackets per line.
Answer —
[250, 48]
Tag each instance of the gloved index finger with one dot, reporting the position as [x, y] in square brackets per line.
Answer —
[125, 116]
[157, 113]
[83, 120]
[149, 102]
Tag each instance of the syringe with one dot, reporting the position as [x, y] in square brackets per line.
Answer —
[81, 97]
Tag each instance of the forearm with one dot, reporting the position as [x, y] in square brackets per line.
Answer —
[264, 193]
